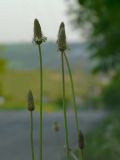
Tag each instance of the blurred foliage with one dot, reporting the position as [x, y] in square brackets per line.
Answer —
[2, 65]
[100, 22]
[104, 142]
[59, 102]
[100, 19]
[111, 93]
[2, 69]
[2, 61]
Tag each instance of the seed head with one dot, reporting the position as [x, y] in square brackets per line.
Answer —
[38, 36]
[30, 101]
[81, 140]
[56, 126]
[62, 44]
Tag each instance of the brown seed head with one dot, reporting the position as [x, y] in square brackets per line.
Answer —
[30, 101]
[81, 143]
[62, 44]
[56, 126]
[38, 36]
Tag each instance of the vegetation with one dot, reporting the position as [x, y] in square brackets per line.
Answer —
[62, 46]
[17, 83]
[111, 93]
[103, 28]
[2, 69]
[101, 21]
[103, 142]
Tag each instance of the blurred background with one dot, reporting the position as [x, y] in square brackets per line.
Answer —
[19, 56]
[93, 36]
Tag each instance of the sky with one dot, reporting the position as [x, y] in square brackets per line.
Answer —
[17, 17]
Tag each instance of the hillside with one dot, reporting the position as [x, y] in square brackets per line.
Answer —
[25, 56]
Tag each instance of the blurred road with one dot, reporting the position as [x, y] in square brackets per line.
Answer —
[14, 133]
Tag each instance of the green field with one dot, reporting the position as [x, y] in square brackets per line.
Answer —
[21, 63]
[15, 85]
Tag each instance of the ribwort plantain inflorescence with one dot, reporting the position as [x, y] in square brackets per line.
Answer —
[61, 41]
[31, 107]
[56, 126]
[38, 39]
[81, 141]
[38, 36]
[62, 46]
[30, 100]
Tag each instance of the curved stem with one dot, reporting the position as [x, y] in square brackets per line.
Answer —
[41, 103]
[31, 134]
[64, 106]
[74, 100]
[74, 156]
[73, 94]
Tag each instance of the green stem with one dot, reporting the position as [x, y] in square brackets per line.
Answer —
[73, 94]
[74, 156]
[31, 134]
[41, 103]
[82, 154]
[64, 106]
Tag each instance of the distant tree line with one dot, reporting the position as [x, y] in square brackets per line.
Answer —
[100, 20]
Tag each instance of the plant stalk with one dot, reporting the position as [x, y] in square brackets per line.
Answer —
[74, 156]
[41, 102]
[73, 94]
[64, 106]
[31, 134]
[74, 100]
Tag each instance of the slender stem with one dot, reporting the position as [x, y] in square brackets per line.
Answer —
[73, 94]
[41, 103]
[74, 156]
[82, 154]
[64, 106]
[31, 134]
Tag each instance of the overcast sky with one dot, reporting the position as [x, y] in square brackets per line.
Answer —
[17, 16]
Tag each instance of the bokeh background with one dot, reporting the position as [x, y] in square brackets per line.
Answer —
[93, 36]
[19, 56]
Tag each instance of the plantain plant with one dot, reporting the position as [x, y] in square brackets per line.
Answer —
[62, 47]
[31, 108]
[39, 39]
